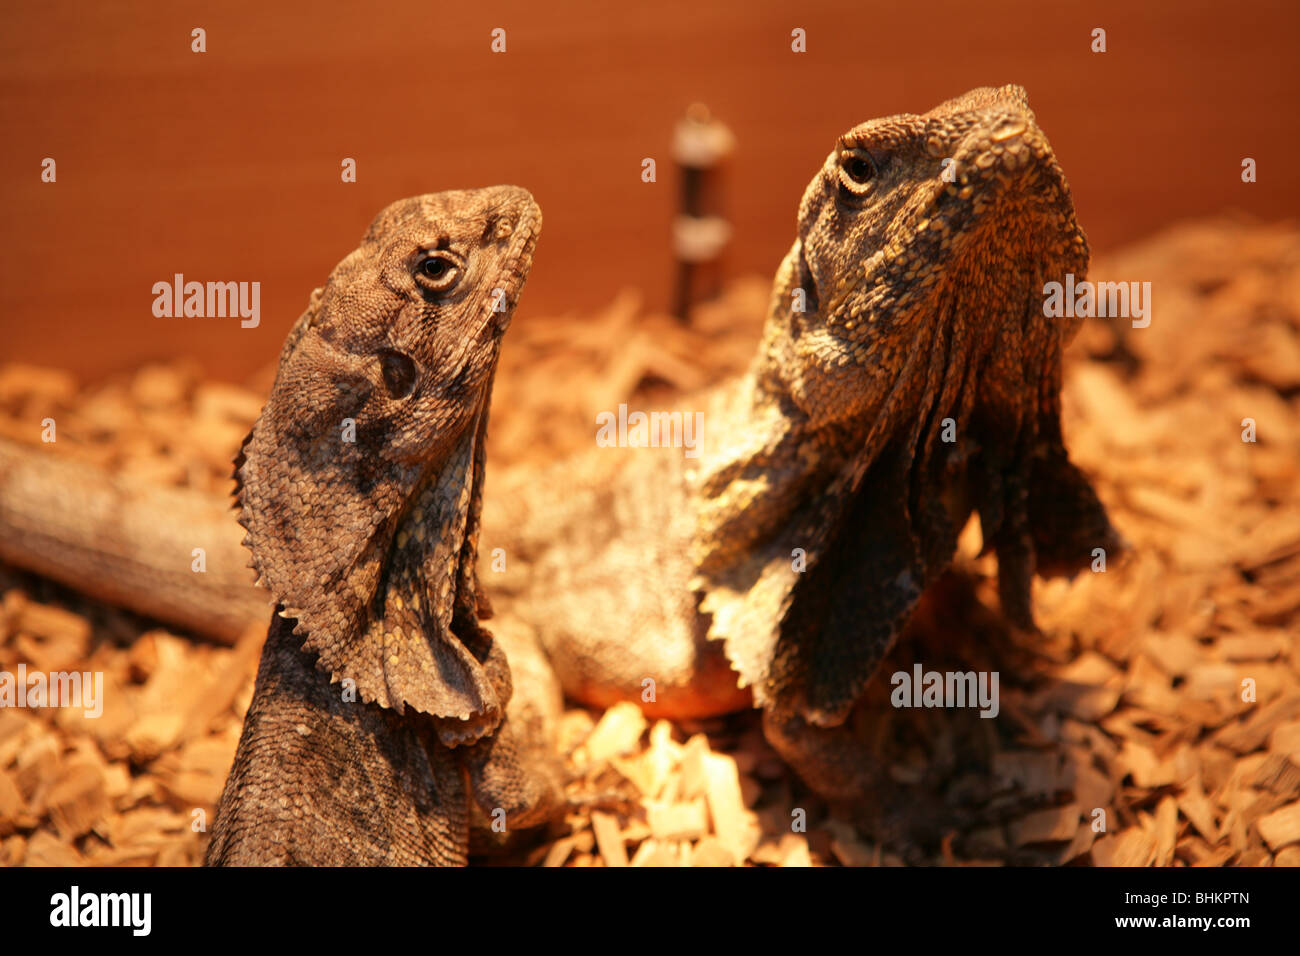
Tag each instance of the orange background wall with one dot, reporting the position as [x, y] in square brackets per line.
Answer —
[225, 165]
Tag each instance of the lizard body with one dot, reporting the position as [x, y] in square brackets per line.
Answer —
[779, 567]
[380, 717]
[825, 499]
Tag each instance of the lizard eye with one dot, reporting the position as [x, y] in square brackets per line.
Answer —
[399, 373]
[857, 170]
[437, 271]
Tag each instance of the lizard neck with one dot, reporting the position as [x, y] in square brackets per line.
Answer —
[833, 465]
[783, 431]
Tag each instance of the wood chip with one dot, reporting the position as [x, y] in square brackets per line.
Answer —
[54, 624]
[1092, 788]
[1079, 845]
[1174, 654]
[1285, 739]
[53, 386]
[559, 852]
[733, 824]
[77, 802]
[1289, 856]
[1147, 770]
[575, 727]
[677, 821]
[12, 806]
[216, 698]
[609, 839]
[1133, 847]
[659, 853]
[1166, 827]
[1281, 827]
[1252, 647]
[710, 852]
[154, 734]
[794, 850]
[1088, 689]
[694, 755]
[45, 849]
[616, 734]
[1194, 805]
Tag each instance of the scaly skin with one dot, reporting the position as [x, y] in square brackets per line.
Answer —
[368, 548]
[825, 499]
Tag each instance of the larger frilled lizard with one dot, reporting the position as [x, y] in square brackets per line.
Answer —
[907, 377]
[380, 718]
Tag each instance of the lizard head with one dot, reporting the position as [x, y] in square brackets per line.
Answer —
[919, 380]
[360, 484]
[912, 220]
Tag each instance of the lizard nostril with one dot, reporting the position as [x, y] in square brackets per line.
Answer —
[496, 228]
[1008, 129]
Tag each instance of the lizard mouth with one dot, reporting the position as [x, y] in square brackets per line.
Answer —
[523, 230]
[1010, 188]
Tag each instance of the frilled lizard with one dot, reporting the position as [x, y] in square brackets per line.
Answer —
[907, 377]
[379, 721]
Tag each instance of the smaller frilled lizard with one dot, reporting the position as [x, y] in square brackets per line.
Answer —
[383, 723]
